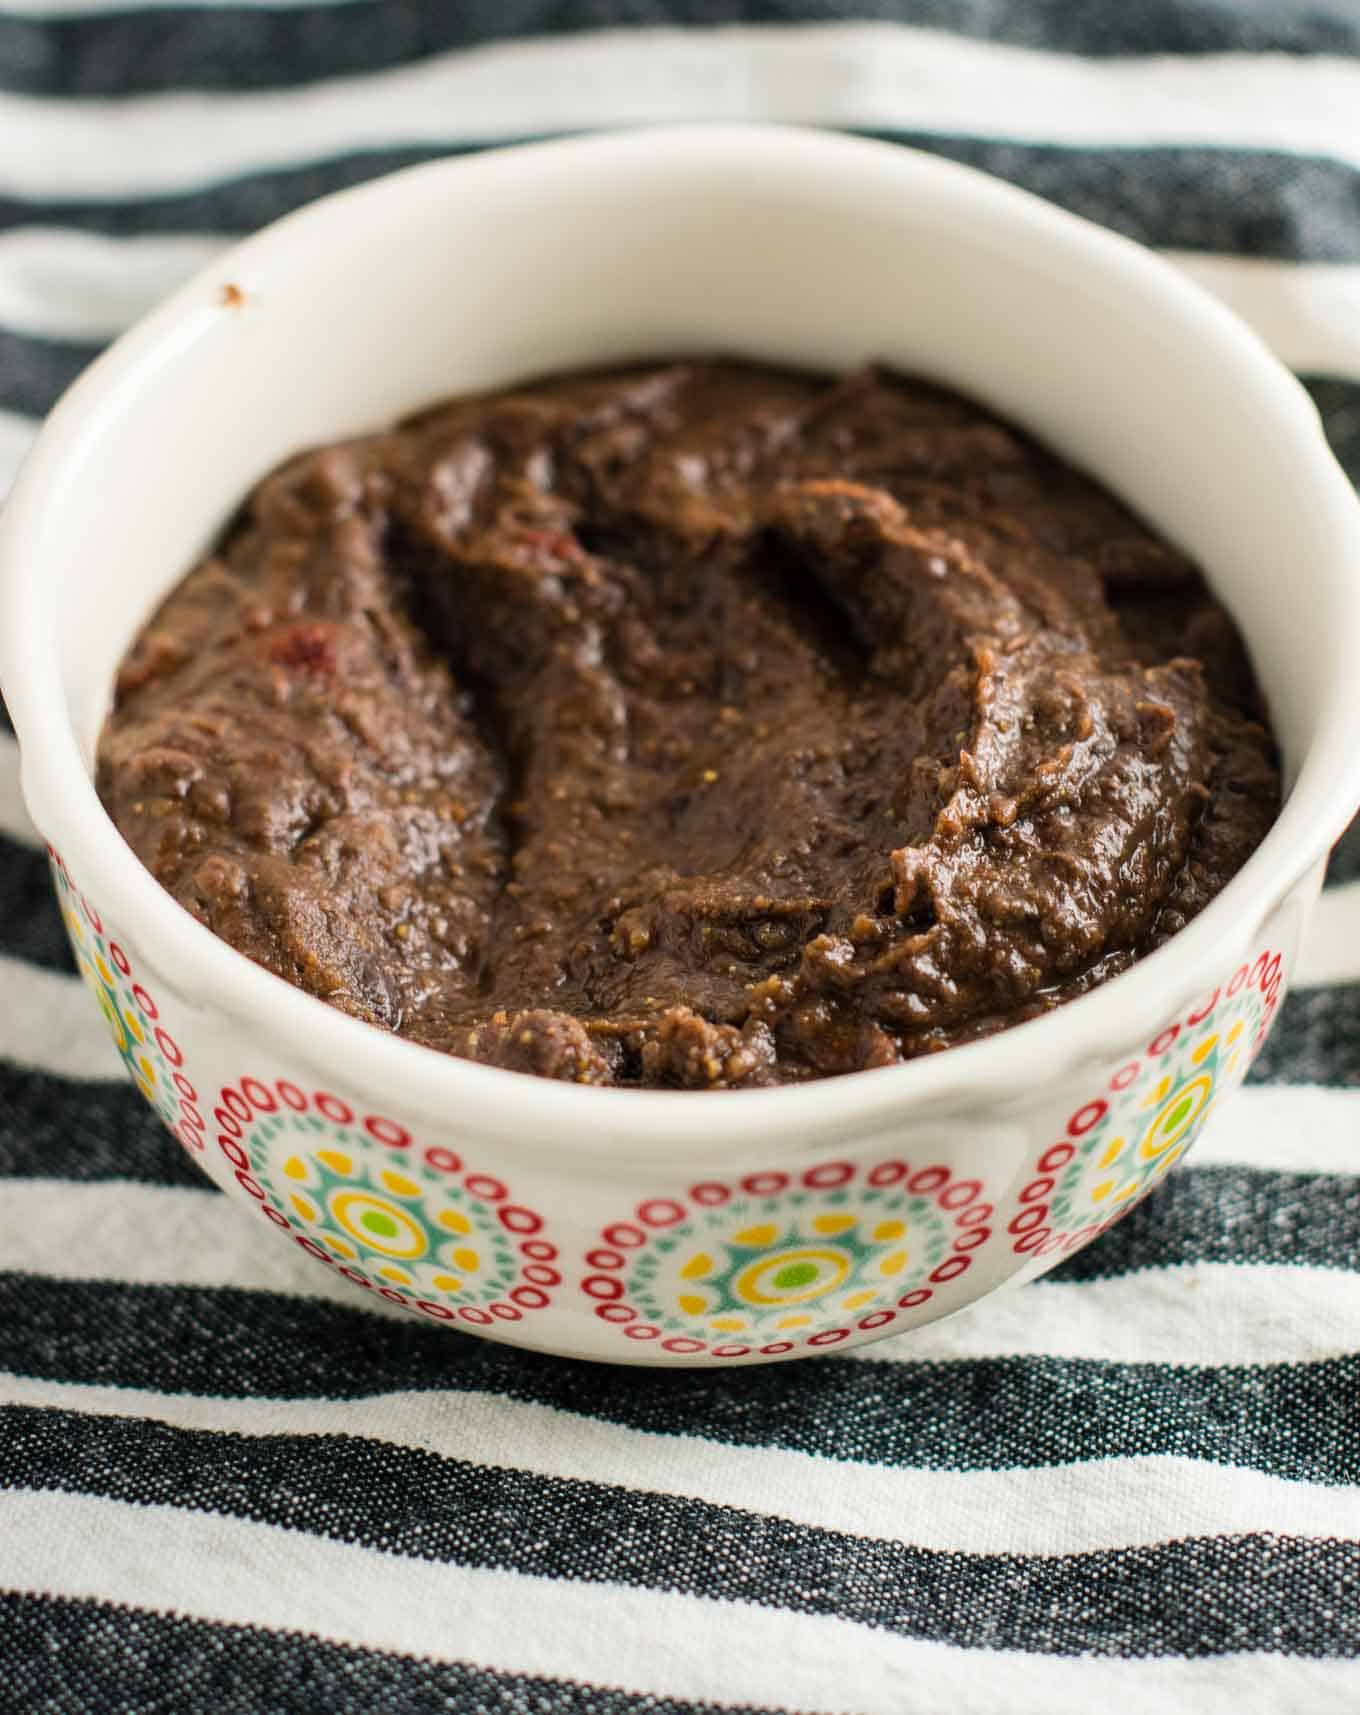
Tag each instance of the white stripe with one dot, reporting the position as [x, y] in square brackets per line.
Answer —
[202, 1239]
[1281, 1128]
[1201, 1313]
[1331, 952]
[1308, 313]
[16, 437]
[870, 75]
[50, 1023]
[965, 1512]
[239, 1573]
[13, 816]
[62, 284]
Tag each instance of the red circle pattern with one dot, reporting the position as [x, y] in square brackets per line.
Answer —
[250, 1097]
[1026, 1227]
[960, 1199]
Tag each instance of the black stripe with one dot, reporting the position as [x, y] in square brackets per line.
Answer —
[1163, 1600]
[1245, 202]
[30, 924]
[1345, 864]
[67, 1657]
[1339, 403]
[1295, 1421]
[230, 206]
[1248, 202]
[1232, 1215]
[60, 1128]
[35, 372]
[251, 48]
[1316, 1039]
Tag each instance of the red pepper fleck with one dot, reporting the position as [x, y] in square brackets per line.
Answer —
[553, 544]
[310, 648]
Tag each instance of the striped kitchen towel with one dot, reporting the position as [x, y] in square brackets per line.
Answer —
[228, 1485]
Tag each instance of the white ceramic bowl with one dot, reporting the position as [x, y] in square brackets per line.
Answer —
[677, 1227]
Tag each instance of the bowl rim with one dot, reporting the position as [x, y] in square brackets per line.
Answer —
[532, 1112]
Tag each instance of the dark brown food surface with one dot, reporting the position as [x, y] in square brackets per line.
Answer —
[698, 725]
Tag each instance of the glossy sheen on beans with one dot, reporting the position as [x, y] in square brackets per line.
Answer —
[697, 725]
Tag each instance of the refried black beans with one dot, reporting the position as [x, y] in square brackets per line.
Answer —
[699, 725]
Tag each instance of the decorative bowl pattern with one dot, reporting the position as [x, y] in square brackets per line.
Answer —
[1117, 1147]
[410, 1220]
[151, 1056]
[776, 1262]
[781, 1260]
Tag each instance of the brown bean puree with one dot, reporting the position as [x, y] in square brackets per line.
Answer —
[699, 725]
